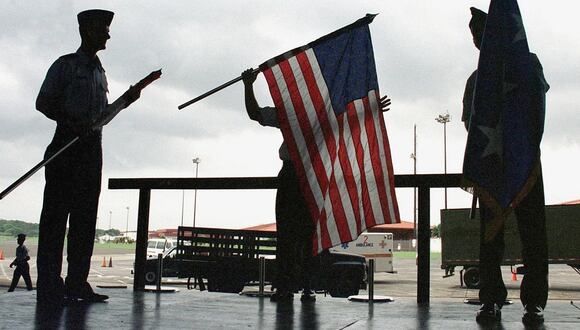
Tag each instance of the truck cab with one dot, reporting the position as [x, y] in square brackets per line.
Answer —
[159, 245]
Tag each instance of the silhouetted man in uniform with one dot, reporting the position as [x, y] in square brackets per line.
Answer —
[531, 219]
[21, 263]
[74, 94]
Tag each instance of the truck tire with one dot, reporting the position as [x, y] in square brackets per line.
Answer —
[151, 277]
[471, 277]
[345, 284]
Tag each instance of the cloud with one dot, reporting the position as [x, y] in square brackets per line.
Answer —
[423, 52]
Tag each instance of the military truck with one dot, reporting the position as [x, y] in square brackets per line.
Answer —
[228, 259]
[460, 241]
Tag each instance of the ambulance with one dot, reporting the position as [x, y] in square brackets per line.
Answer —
[378, 246]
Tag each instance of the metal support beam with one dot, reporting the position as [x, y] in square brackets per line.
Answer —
[142, 237]
[423, 246]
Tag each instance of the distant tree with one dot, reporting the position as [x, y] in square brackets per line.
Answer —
[15, 227]
[110, 232]
[436, 231]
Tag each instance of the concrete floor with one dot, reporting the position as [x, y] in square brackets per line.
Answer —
[192, 309]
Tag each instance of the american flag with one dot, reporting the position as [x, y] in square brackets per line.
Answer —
[503, 146]
[329, 113]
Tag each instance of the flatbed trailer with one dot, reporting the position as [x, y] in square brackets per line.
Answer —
[460, 241]
[229, 259]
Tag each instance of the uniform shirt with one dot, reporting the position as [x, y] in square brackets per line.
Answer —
[269, 117]
[75, 90]
[21, 254]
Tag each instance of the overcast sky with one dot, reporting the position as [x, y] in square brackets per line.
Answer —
[423, 53]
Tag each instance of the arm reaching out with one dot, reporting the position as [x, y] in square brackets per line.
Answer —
[131, 95]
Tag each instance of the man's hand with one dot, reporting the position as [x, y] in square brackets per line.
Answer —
[385, 103]
[11, 264]
[249, 76]
[132, 95]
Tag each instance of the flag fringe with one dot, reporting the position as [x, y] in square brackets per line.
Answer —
[499, 213]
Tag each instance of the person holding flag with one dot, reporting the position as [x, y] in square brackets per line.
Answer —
[337, 179]
[294, 225]
[503, 111]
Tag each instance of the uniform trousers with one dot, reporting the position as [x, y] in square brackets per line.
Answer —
[73, 185]
[294, 252]
[531, 221]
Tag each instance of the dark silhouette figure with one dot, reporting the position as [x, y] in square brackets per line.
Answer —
[74, 94]
[294, 225]
[531, 220]
[21, 263]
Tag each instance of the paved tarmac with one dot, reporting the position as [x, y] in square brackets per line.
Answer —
[192, 309]
[564, 281]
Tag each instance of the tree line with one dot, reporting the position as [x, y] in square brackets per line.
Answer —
[15, 227]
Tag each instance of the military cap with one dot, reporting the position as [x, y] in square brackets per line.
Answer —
[477, 17]
[21, 235]
[98, 16]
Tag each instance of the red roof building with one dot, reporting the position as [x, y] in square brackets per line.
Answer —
[401, 231]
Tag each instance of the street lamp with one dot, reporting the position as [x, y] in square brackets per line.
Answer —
[182, 202]
[127, 227]
[414, 157]
[196, 161]
[444, 119]
[110, 217]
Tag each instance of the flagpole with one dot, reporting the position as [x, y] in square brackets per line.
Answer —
[365, 20]
[215, 90]
[117, 106]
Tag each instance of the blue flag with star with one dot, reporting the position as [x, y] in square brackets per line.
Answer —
[507, 119]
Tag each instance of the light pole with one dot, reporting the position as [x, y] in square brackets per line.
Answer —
[182, 202]
[414, 157]
[110, 217]
[127, 227]
[196, 161]
[444, 119]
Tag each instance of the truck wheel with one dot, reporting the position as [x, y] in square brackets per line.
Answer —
[150, 277]
[346, 284]
[471, 277]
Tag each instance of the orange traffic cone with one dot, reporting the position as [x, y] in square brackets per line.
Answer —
[111, 262]
[514, 276]
[104, 263]
[1, 255]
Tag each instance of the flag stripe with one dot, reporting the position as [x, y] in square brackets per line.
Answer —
[303, 121]
[351, 180]
[385, 150]
[374, 152]
[358, 154]
[318, 146]
[340, 204]
[272, 75]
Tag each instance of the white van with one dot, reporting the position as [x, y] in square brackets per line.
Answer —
[378, 246]
[159, 245]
